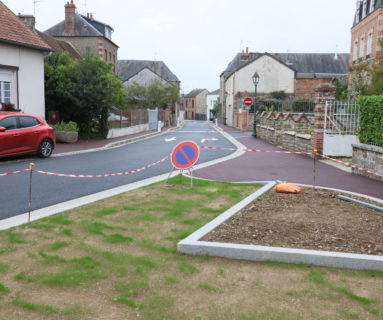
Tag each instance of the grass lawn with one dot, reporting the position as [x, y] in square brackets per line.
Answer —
[117, 259]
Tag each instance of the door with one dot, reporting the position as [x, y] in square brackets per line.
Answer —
[10, 139]
[31, 132]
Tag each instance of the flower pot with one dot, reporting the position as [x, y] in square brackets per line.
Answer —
[66, 136]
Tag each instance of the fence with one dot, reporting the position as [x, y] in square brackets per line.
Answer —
[127, 118]
[298, 105]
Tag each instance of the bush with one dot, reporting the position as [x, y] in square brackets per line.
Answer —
[279, 95]
[268, 105]
[303, 105]
[70, 126]
[371, 120]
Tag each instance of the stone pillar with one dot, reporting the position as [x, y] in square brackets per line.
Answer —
[323, 93]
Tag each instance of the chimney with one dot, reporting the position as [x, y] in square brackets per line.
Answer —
[70, 11]
[247, 50]
[28, 20]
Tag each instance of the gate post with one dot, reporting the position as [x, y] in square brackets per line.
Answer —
[323, 93]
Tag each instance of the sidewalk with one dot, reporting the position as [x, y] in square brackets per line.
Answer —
[254, 166]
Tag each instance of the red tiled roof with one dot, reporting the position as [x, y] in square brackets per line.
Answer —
[12, 30]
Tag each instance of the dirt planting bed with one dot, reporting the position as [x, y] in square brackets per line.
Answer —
[313, 219]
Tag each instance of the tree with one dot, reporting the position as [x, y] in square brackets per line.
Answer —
[83, 91]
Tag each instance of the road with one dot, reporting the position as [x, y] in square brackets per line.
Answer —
[49, 190]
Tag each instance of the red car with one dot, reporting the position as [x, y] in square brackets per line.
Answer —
[25, 133]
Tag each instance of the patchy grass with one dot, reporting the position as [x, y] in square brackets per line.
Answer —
[118, 259]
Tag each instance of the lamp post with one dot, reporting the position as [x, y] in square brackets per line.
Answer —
[255, 79]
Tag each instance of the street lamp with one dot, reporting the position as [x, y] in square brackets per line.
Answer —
[255, 79]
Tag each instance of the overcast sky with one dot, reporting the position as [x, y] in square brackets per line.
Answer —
[197, 39]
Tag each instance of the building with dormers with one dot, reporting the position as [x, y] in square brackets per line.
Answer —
[86, 34]
[367, 31]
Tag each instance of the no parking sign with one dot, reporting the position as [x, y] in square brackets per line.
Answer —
[185, 155]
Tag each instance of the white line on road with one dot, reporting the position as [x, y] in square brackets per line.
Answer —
[171, 139]
[206, 139]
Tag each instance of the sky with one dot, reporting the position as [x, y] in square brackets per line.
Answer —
[197, 39]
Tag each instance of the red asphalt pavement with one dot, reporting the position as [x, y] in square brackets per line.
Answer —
[255, 166]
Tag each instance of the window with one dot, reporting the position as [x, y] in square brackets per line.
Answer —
[5, 91]
[9, 123]
[369, 45]
[105, 55]
[361, 48]
[192, 103]
[355, 51]
[364, 10]
[28, 122]
[372, 5]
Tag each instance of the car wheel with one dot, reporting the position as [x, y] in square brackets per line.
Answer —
[45, 149]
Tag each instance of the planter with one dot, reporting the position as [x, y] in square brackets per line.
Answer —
[66, 136]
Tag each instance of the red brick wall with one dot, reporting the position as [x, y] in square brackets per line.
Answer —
[306, 87]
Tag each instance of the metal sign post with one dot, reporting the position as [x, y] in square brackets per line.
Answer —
[31, 166]
[184, 156]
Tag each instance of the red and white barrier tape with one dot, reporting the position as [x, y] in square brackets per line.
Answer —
[303, 153]
[13, 172]
[102, 175]
[88, 176]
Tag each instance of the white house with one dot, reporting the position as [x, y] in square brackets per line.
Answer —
[211, 100]
[21, 64]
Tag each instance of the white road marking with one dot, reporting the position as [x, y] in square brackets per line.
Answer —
[171, 139]
[211, 139]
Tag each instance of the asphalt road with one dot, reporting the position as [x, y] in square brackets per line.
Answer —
[49, 190]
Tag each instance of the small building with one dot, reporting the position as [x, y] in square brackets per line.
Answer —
[21, 64]
[86, 34]
[296, 74]
[211, 101]
[195, 104]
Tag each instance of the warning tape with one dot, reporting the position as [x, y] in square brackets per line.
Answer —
[88, 176]
[303, 153]
[13, 172]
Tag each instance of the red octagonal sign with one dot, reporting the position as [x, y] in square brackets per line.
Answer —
[185, 155]
[248, 102]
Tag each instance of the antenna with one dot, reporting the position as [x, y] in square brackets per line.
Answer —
[34, 6]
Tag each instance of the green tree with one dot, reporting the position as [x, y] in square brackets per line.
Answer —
[83, 91]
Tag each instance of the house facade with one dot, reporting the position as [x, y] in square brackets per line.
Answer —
[367, 31]
[86, 34]
[195, 104]
[295, 74]
[21, 65]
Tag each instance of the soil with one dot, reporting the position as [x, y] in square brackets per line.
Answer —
[313, 219]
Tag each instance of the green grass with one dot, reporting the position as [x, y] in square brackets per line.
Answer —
[187, 268]
[105, 212]
[148, 244]
[117, 238]
[94, 227]
[34, 306]
[58, 245]
[208, 287]
[3, 290]
[67, 232]
[4, 267]
[59, 219]
[14, 237]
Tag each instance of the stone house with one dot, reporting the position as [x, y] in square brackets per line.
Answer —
[297, 74]
[367, 31]
[195, 104]
[21, 64]
[211, 100]
[86, 34]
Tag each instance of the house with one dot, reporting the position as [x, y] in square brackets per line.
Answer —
[145, 72]
[211, 100]
[297, 74]
[86, 34]
[195, 104]
[367, 31]
[57, 46]
[21, 64]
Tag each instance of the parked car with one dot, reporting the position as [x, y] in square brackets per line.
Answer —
[24, 134]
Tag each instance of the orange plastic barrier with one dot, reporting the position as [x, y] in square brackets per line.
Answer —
[287, 188]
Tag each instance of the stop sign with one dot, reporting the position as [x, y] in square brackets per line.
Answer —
[248, 102]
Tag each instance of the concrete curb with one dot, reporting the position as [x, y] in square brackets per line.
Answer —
[192, 245]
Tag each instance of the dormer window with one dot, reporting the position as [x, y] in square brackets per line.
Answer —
[364, 9]
[108, 33]
[372, 5]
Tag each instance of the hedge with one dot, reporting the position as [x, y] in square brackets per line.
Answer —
[371, 120]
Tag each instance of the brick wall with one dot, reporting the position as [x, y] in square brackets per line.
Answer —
[368, 157]
[306, 87]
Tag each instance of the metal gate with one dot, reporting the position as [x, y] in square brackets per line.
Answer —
[341, 124]
[153, 119]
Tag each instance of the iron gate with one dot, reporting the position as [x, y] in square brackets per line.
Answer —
[153, 119]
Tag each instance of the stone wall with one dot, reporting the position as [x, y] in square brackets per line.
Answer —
[368, 157]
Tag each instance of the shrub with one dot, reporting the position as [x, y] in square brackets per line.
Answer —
[371, 120]
[279, 95]
[303, 105]
[268, 105]
[69, 126]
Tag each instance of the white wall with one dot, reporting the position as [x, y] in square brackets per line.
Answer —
[30, 77]
[211, 99]
[273, 76]
[229, 88]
